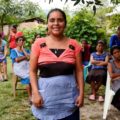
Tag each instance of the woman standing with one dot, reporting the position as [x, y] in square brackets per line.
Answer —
[58, 93]
[3, 60]
[114, 71]
[12, 37]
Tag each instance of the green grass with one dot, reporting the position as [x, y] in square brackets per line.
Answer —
[18, 108]
[13, 108]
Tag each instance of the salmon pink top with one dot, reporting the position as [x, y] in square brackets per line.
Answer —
[45, 55]
[57, 82]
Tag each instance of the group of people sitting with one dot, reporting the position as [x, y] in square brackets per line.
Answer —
[101, 62]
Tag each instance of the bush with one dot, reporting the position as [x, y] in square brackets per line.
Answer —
[84, 26]
[30, 33]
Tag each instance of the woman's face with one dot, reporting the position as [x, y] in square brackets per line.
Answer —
[100, 47]
[84, 43]
[20, 42]
[116, 54]
[56, 23]
[14, 30]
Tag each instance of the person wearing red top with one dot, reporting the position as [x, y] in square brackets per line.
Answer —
[86, 51]
[13, 35]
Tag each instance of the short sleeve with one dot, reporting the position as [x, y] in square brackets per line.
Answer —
[78, 48]
[13, 55]
[93, 54]
[111, 41]
[35, 50]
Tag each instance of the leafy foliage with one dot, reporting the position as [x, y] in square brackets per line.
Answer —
[115, 1]
[88, 2]
[30, 33]
[84, 26]
[14, 11]
[115, 21]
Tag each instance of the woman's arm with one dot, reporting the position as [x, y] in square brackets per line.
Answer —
[9, 38]
[36, 97]
[26, 54]
[19, 59]
[79, 78]
[5, 51]
[92, 61]
[102, 63]
[112, 75]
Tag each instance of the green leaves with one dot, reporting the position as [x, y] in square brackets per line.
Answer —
[77, 1]
[115, 1]
[12, 11]
[29, 34]
[98, 2]
[83, 25]
[88, 2]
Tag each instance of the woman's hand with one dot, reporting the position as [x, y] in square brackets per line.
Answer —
[37, 100]
[79, 101]
[26, 54]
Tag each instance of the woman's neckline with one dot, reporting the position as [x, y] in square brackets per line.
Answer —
[99, 53]
[58, 43]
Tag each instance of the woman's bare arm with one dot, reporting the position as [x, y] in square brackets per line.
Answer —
[79, 78]
[112, 75]
[36, 97]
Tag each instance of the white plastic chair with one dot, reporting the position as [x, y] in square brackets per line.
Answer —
[109, 94]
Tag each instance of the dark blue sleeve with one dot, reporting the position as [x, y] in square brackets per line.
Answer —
[112, 41]
[28, 51]
[13, 55]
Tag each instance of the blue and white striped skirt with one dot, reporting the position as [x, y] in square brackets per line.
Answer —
[59, 94]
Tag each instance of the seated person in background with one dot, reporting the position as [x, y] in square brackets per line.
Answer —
[36, 36]
[115, 39]
[86, 51]
[98, 72]
[3, 61]
[114, 71]
[20, 58]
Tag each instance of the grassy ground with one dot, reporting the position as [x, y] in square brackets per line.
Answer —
[18, 108]
[13, 108]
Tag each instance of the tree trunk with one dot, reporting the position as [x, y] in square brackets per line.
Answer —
[1, 22]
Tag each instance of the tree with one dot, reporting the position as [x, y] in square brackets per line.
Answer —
[30, 9]
[92, 3]
[84, 25]
[115, 1]
[114, 21]
[14, 11]
[97, 2]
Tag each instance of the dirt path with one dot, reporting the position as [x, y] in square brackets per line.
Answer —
[94, 110]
